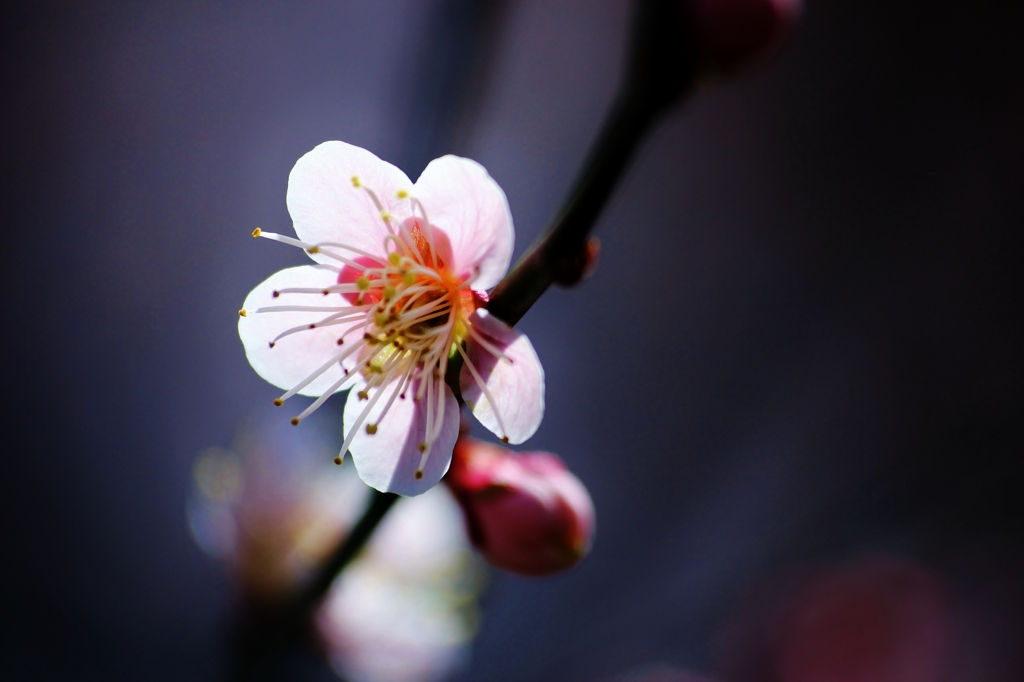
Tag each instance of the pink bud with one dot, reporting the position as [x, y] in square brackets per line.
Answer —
[728, 33]
[525, 512]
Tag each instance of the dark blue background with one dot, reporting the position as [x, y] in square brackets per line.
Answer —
[803, 341]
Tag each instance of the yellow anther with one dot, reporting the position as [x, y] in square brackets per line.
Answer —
[313, 249]
[380, 319]
[278, 402]
[363, 283]
[242, 313]
[257, 232]
[385, 215]
[409, 278]
[401, 194]
[363, 395]
[356, 182]
[389, 293]
[394, 258]
[371, 429]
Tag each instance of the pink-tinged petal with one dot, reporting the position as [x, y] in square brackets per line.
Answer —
[294, 357]
[326, 207]
[388, 459]
[515, 381]
[468, 205]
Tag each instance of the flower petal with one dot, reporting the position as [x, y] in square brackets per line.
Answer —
[388, 459]
[469, 206]
[326, 207]
[294, 357]
[516, 382]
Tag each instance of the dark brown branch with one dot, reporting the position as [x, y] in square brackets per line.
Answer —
[658, 73]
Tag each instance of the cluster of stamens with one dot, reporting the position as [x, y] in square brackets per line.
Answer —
[406, 315]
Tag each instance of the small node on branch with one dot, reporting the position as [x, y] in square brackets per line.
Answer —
[570, 270]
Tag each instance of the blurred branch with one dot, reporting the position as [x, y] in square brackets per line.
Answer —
[271, 630]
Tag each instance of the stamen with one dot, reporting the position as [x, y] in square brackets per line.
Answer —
[299, 309]
[478, 337]
[338, 357]
[429, 230]
[354, 429]
[309, 248]
[376, 202]
[483, 389]
[321, 400]
[353, 249]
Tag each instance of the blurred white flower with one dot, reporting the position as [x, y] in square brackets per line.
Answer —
[273, 507]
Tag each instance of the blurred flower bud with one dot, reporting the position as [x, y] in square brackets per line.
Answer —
[729, 33]
[525, 512]
[878, 617]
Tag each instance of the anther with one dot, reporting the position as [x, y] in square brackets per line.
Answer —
[355, 181]
[371, 429]
[312, 326]
[276, 294]
[341, 341]
[278, 402]
[401, 194]
[295, 421]
[394, 258]
[338, 460]
[504, 439]
[363, 395]
[257, 232]
[418, 475]
[313, 249]
[422, 447]
[241, 313]
[271, 344]
[363, 283]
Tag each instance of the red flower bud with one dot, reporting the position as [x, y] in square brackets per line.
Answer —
[728, 33]
[525, 512]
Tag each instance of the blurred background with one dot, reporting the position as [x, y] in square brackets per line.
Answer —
[793, 386]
